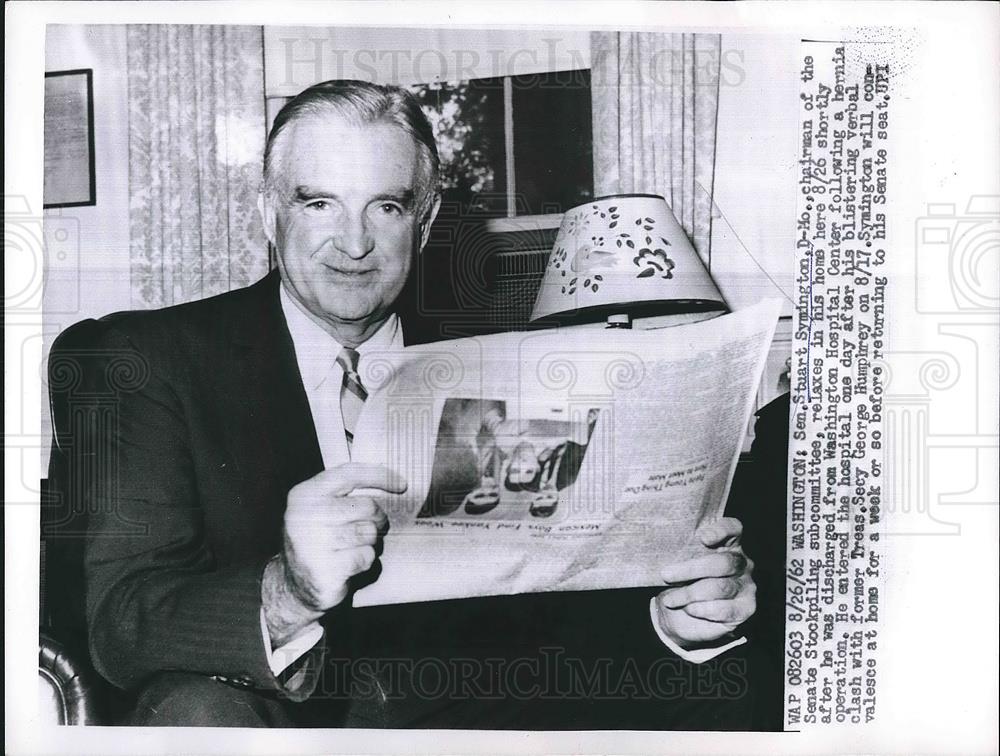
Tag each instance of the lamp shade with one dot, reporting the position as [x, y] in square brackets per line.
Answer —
[620, 251]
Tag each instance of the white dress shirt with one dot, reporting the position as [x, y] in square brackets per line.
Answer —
[316, 354]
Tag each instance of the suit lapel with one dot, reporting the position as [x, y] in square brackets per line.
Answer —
[270, 430]
[273, 426]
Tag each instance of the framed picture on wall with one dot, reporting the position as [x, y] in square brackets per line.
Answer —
[69, 139]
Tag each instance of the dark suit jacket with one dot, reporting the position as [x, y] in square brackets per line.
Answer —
[178, 435]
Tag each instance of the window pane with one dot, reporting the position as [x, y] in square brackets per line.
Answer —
[552, 142]
[553, 149]
[467, 118]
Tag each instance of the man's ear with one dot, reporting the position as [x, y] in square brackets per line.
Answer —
[428, 221]
[266, 210]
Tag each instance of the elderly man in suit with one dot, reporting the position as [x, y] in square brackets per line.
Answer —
[225, 530]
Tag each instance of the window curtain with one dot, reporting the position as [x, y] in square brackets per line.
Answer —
[196, 142]
[655, 102]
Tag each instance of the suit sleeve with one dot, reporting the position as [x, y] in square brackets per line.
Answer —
[155, 599]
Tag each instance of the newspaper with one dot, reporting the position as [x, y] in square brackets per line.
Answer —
[559, 460]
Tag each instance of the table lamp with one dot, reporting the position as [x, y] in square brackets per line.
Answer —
[620, 257]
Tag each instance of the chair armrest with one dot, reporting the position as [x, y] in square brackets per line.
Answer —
[69, 691]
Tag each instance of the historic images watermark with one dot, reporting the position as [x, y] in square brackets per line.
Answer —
[315, 58]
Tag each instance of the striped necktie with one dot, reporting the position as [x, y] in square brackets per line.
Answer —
[352, 393]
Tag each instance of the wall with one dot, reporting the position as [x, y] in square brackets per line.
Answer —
[753, 233]
[88, 265]
[87, 248]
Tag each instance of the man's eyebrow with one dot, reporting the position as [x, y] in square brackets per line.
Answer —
[305, 193]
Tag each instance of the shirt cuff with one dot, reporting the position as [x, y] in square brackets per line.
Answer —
[280, 659]
[695, 656]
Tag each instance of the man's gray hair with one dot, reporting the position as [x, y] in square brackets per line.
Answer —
[359, 102]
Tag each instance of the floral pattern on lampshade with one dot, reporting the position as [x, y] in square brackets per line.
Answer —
[651, 258]
[624, 248]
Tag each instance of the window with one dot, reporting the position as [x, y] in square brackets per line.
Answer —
[513, 145]
[553, 143]
[468, 122]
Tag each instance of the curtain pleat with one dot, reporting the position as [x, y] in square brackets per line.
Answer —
[655, 105]
[196, 143]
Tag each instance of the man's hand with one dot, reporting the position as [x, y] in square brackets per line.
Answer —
[330, 536]
[710, 595]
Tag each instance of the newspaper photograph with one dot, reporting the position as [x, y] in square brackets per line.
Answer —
[560, 377]
[521, 465]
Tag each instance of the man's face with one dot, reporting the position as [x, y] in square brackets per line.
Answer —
[344, 217]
